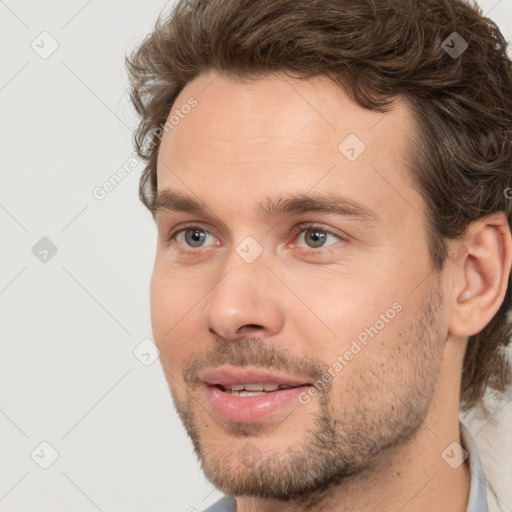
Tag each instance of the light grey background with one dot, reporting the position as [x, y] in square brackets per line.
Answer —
[70, 324]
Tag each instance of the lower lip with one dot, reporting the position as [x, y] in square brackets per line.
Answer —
[250, 409]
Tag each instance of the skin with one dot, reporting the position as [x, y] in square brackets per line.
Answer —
[386, 417]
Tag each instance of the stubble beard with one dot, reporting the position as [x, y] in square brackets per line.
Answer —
[370, 414]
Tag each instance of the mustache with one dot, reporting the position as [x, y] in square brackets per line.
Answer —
[255, 353]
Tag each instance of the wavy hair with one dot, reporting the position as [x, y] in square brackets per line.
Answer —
[377, 50]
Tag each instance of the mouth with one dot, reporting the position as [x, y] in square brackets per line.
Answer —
[250, 395]
[253, 389]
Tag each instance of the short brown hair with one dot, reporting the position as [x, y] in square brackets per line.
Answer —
[376, 50]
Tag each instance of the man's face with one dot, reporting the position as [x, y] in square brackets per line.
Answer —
[307, 262]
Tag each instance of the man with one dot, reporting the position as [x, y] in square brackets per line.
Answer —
[329, 181]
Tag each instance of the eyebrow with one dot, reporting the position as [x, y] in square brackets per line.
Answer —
[271, 207]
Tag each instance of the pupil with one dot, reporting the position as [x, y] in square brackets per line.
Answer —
[318, 238]
[195, 237]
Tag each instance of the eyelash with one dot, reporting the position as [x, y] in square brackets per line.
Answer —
[296, 231]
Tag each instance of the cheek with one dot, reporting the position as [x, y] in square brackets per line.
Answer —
[341, 311]
[176, 319]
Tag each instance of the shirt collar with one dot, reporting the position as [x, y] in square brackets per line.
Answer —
[477, 501]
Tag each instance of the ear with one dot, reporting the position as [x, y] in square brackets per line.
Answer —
[481, 265]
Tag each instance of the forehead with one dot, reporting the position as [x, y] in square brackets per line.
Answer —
[277, 104]
[284, 134]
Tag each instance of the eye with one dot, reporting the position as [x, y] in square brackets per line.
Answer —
[316, 237]
[192, 236]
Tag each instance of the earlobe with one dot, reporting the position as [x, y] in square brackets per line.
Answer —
[481, 275]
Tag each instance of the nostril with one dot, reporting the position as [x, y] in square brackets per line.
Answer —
[249, 326]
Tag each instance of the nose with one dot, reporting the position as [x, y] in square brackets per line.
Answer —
[244, 301]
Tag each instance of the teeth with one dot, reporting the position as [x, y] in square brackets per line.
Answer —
[245, 393]
[253, 389]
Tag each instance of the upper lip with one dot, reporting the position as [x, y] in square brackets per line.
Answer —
[226, 376]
